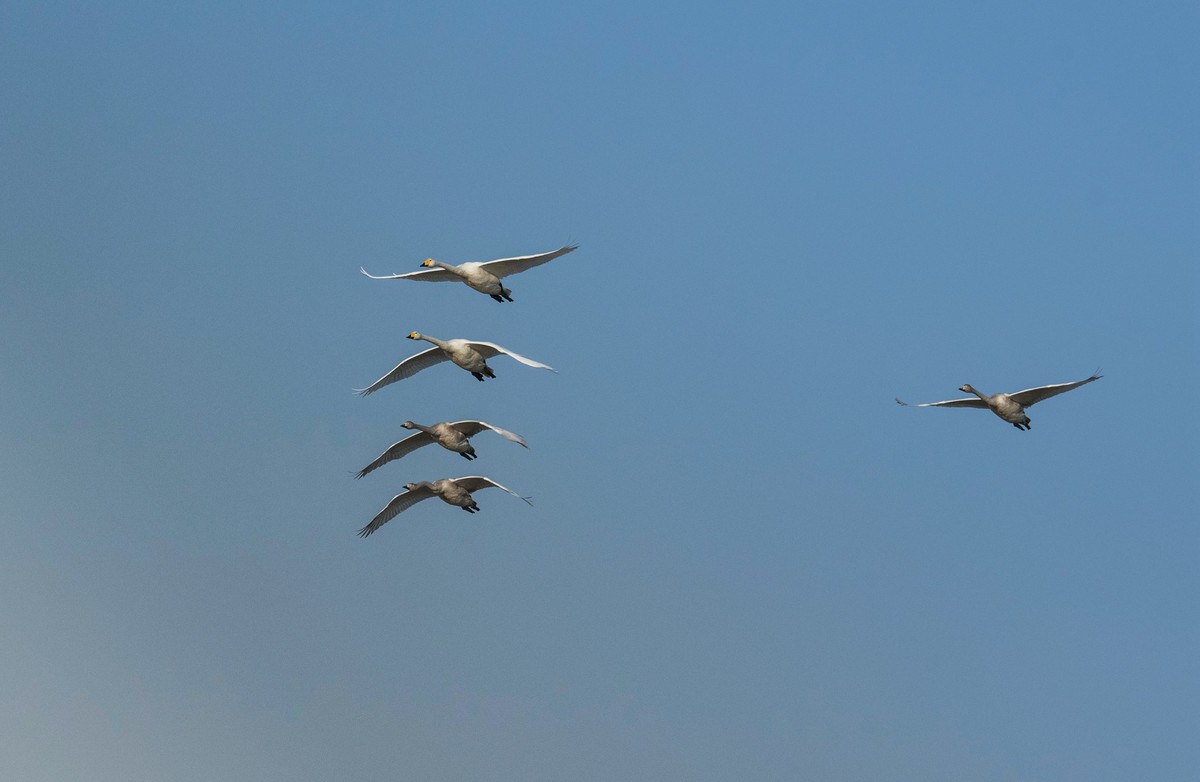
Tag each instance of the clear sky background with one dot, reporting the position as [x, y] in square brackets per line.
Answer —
[745, 561]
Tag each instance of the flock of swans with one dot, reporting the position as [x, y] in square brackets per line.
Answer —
[470, 355]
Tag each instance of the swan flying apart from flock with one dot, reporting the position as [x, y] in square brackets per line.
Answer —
[1010, 407]
[455, 491]
[451, 436]
[471, 355]
[482, 276]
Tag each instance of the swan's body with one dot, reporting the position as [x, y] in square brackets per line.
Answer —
[482, 276]
[1010, 407]
[469, 354]
[455, 491]
[451, 436]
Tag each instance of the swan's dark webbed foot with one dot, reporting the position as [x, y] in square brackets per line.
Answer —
[470, 508]
[506, 294]
[496, 296]
[468, 455]
[1019, 427]
[488, 371]
[479, 376]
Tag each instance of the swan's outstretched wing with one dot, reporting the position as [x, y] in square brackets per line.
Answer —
[399, 503]
[396, 450]
[971, 401]
[406, 368]
[1031, 396]
[474, 483]
[472, 428]
[490, 349]
[502, 267]
[425, 275]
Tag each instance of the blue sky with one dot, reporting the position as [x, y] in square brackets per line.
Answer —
[744, 560]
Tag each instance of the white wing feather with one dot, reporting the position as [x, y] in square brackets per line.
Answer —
[490, 349]
[503, 267]
[406, 368]
[424, 275]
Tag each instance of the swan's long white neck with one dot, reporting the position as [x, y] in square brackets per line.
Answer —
[434, 340]
[420, 427]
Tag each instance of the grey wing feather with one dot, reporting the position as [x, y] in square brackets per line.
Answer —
[472, 428]
[399, 503]
[406, 368]
[396, 450]
[1031, 396]
[474, 483]
[972, 401]
[424, 275]
[502, 267]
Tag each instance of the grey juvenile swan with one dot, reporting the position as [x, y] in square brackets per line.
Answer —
[1010, 407]
[456, 491]
[451, 436]
[482, 276]
[469, 354]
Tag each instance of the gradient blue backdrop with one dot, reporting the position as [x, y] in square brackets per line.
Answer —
[745, 561]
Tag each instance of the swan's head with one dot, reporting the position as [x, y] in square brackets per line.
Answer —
[967, 387]
[414, 335]
[427, 262]
[409, 425]
[410, 486]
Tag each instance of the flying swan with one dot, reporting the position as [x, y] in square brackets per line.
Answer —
[451, 436]
[482, 276]
[468, 354]
[456, 491]
[1010, 407]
